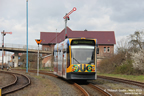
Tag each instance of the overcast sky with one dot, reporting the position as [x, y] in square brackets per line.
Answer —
[123, 17]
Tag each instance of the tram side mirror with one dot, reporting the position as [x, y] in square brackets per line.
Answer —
[68, 50]
[53, 53]
[97, 51]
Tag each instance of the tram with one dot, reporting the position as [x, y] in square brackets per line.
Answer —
[76, 58]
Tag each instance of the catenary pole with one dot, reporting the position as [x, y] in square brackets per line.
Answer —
[56, 36]
[27, 35]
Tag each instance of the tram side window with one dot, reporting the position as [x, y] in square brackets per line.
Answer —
[55, 56]
[68, 57]
[68, 60]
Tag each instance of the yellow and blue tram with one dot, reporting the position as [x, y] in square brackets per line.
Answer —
[75, 58]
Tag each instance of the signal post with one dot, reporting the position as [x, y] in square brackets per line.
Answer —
[66, 17]
[38, 41]
[3, 34]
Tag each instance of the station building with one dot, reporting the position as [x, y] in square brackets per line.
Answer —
[105, 40]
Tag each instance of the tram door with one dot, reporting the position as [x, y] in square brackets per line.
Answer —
[64, 64]
[55, 62]
[60, 62]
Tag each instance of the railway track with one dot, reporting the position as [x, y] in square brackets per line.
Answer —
[83, 90]
[91, 90]
[20, 82]
[86, 92]
[140, 84]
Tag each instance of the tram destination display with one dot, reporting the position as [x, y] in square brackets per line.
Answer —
[83, 42]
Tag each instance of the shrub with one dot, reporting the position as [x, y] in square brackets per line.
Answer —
[125, 68]
[138, 60]
[108, 65]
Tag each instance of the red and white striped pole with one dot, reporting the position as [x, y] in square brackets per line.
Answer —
[67, 15]
[3, 33]
[3, 47]
[66, 18]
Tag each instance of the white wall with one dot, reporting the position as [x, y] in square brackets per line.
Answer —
[0, 59]
[6, 58]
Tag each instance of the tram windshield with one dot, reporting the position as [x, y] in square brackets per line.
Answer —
[82, 54]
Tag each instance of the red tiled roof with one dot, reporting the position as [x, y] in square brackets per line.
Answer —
[103, 37]
[46, 37]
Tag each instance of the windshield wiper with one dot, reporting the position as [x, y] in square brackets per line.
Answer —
[76, 60]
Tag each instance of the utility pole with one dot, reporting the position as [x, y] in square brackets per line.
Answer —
[66, 17]
[56, 36]
[27, 35]
[3, 34]
[2, 48]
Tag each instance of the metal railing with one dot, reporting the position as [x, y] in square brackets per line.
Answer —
[34, 47]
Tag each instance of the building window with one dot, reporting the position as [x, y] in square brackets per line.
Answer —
[48, 49]
[45, 49]
[104, 49]
[108, 49]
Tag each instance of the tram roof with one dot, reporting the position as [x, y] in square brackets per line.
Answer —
[103, 37]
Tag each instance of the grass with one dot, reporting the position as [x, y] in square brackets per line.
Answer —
[41, 69]
[47, 88]
[40, 86]
[139, 78]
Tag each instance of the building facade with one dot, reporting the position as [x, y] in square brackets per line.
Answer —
[105, 41]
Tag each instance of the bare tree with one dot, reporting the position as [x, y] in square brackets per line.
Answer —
[122, 46]
[136, 40]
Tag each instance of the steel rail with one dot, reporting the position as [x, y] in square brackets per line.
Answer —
[53, 75]
[14, 83]
[82, 89]
[75, 84]
[140, 84]
[105, 93]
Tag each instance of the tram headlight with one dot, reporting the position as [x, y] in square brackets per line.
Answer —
[93, 68]
[72, 68]
[92, 63]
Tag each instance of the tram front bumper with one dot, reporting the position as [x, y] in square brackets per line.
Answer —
[81, 75]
